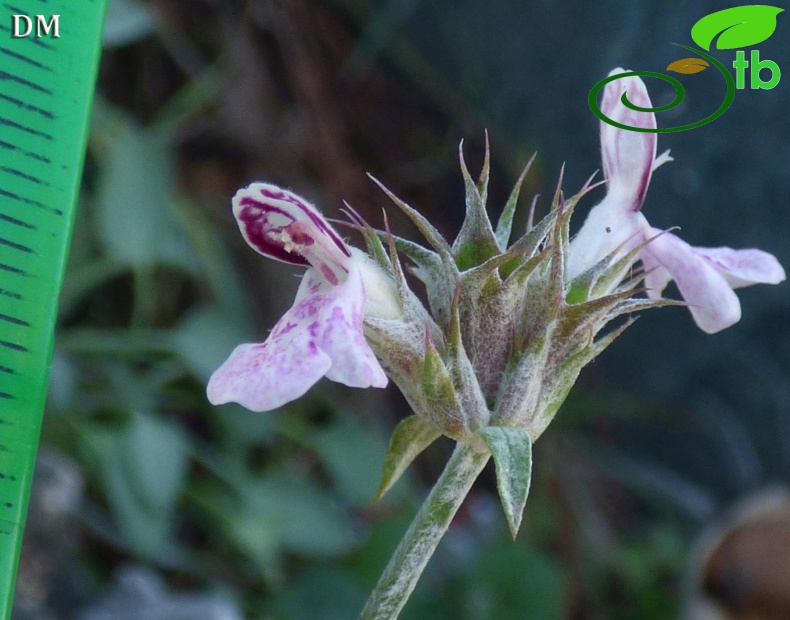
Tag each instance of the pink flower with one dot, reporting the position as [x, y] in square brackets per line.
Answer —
[322, 334]
[705, 277]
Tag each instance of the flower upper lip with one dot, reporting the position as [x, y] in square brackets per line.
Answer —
[281, 225]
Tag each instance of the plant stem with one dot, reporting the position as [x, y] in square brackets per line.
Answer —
[426, 530]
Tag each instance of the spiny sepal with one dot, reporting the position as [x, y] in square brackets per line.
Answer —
[511, 449]
[439, 392]
[437, 271]
[463, 373]
[557, 385]
[505, 224]
[476, 242]
[509, 333]
[520, 387]
[534, 239]
[605, 274]
[427, 229]
[371, 238]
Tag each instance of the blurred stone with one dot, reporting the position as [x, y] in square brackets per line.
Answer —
[139, 594]
[50, 534]
[742, 569]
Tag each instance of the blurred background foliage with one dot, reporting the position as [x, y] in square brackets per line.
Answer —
[150, 503]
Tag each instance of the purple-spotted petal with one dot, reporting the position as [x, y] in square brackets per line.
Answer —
[321, 335]
[628, 156]
[339, 332]
[279, 224]
[744, 267]
[712, 302]
[262, 377]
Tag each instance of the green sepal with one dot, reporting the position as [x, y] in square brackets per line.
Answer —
[545, 246]
[476, 242]
[485, 173]
[547, 291]
[512, 452]
[505, 224]
[604, 275]
[410, 437]
[372, 239]
[404, 292]
[588, 316]
[437, 270]
[517, 280]
[439, 274]
[527, 371]
[462, 370]
[560, 239]
[628, 306]
[530, 243]
[427, 229]
[439, 390]
[492, 268]
[425, 259]
[577, 293]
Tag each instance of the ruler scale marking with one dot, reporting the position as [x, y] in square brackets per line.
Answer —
[17, 222]
[26, 153]
[27, 106]
[34, 132]
[30, 201]
[23, 58]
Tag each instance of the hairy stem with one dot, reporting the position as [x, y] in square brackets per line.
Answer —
[426, 530]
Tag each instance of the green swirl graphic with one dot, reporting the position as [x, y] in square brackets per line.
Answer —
[680, 93]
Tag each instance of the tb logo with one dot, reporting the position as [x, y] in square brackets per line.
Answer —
[740, 64]
[738, 26]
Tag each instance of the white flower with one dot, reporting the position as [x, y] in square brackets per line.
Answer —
[322, 334]
[705, 277]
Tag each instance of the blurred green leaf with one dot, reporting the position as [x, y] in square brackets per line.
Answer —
[84, 279]
[382, 537]
[120, 342]
[214, 259]
[142, 467]
[204, 339]
[194, 97]
[505, 581]
[321, 593]
[132, 207]
[245, 427]
[306, 518]
[154, 455]
[284, 514]
[509, 581]
[379, 31]
[342, 448]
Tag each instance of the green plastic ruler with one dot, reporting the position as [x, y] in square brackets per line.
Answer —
[46, 87]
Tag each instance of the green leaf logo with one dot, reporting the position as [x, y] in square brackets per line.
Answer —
[739, 26]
